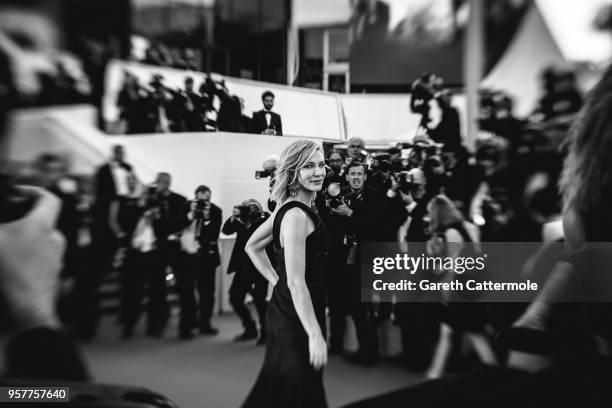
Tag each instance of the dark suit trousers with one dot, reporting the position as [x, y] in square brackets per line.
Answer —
[99, 257]
[144, 269]
[257, 286]
[195, 271]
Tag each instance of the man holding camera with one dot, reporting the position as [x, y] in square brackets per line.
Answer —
[198, 262]
[245, 219]
[355, 149]
[145, 265]
[265, 121]
[168, 219]
[360, 207]
[334, 184]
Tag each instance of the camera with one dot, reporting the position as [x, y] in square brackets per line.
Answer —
[259, 174]
[333, 195]
[269, 166]
[201, 205]
[404, 180]
[248, 213]
[202, 208]
[434, 165]
[151, 197]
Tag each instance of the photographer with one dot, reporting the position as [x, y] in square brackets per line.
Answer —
[269, 166]
[380, 173]
[144, 265]
[355, 149]
[159, 101]
[245, 219]
[334, 185]
[421, 94]
[191, 105]
[336, 161]
[427, 90]
[360, 207]
[168, 212]
[448, 130]
[133, 105]
[199, 259]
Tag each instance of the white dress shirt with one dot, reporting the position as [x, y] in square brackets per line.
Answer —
[120, 177]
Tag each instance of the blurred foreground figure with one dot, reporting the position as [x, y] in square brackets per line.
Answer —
[31, 252]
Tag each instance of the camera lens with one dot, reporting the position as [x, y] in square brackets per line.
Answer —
[333, 190]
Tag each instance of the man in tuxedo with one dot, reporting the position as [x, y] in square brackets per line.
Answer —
[111, 184]
[111, 177]
[199, 259]
[192, 108]
[265, 121]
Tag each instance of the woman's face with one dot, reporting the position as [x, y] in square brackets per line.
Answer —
[312, 173]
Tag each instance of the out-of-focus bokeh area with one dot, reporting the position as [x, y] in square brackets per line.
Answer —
[475, 97]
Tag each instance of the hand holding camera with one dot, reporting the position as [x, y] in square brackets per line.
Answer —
[236, 214]
[343, 209]
[200, 209]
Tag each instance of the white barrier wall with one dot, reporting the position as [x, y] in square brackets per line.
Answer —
[226, 162]
[386, 117]
[304, 112]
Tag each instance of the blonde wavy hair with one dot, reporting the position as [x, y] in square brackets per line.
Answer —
[442, 213]
[293, 158]
[587, 171]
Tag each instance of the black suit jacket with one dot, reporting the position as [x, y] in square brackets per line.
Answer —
[173, 217]
[105, 183]
[259, 123]
[209, 236]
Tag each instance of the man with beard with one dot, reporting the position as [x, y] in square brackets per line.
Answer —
[360, 208]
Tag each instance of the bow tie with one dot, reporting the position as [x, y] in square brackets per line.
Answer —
[270, 112]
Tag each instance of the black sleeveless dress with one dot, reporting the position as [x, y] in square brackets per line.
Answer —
[287, 379]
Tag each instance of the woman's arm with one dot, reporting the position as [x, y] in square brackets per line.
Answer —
[295, 227]
[256, 250]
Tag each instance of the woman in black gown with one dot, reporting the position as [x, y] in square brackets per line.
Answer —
[296, 350]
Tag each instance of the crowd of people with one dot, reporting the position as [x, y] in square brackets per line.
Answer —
[424, 191]
[430, 190]
[413, 192]
[158, 240]
[156, 108]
